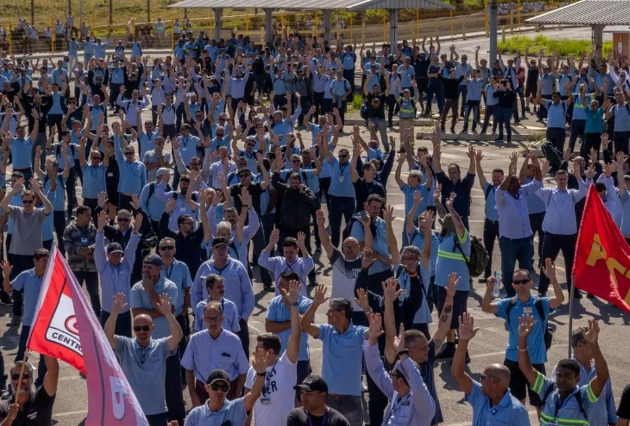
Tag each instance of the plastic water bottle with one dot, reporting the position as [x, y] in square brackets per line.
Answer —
[497, 285]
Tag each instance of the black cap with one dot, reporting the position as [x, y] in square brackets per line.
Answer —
[114, 248]
[220, 241]
[313, 383]
[217, 376]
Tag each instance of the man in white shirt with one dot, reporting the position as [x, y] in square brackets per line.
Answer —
[278, 396]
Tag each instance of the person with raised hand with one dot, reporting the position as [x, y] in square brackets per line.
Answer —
[341, 361]
[490, 399]
[282, 362]
[563, 400]
[409, 399]
[143, 358]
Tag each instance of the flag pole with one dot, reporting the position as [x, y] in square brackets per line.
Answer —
[17, 391]
[571, 301]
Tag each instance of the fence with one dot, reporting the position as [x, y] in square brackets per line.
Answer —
[361, 33]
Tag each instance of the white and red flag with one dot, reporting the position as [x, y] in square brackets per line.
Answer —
[66, 328]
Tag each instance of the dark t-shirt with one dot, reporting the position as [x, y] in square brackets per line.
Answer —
[363, 190]
[376, 105]
[36, 412]
[623, 412]
[299, 417]
[254, 190]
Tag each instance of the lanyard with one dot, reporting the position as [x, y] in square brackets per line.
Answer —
[185, 142]
[310, 421]
[265, 389]
[169, 270]
[342, 169]
[395, 407]
[220, 271]
[559, 403]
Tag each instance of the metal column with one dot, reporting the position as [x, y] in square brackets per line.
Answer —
[393, 29]
[598, 38]
[268, 26]
[218, 12]
[493, 33]
[327, 26]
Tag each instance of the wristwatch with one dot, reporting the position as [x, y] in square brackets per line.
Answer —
[261, 374]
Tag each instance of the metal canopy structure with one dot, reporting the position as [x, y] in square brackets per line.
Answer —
[594, 13]
[393, 6]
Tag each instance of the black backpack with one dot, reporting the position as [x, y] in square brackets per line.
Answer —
[552, 154]
[478, 255]
[578, 398]
[539, 308]
[353, 219]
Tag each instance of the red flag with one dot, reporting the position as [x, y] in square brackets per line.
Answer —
[602, 256]
[66, 328]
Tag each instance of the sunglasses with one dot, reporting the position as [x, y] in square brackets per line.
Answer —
[16, 376]
[167, 247]
[27, 201]
[213, 319]
[219, 135]
[343, 156]
[251, 145]
[123, 219]
[138, 328]
[96, 158]
[223, 388]
[486, 376]
[295, 161]
[129, 153]
[519, 282]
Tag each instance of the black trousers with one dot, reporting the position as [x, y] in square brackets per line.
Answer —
[174, 393]
[244, 336]
[536, 220]
[552, 245]
[91, 282]
[59, 222]
[490, 233]
[377, 403]
[21, 263]
[557, 136]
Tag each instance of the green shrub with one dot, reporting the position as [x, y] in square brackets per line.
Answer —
[562, 46]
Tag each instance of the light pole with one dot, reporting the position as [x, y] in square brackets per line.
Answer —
[493, 33]
[148, 11]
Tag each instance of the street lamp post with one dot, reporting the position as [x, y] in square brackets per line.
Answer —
[493, 32]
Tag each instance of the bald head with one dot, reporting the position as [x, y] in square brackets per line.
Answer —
[499, 372]
[142, 319]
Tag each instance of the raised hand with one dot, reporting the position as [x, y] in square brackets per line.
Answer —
[375, 329]
[368, 258]
[389, 214]
[260, 360]
[592, 333]
[319, 216]
[119, 304]
[399, 341]
[6, 268]
[391, 291]
[293, 294]
[102, 220]
[453, 280]
[245, 197]
[362, 299]
[319, 297]
[467, 328]
[274, 238]
[137, 222]
[165, 306]
[549, 269]
[170, 206]
[525, 325]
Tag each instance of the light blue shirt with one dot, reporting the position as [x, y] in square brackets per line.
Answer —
[152, 206]
[115, 279]
[31, 284]
[622, 117]
[379, 242]
[145, 376]
[93, 180]
[238, 287]
[188, 148]
[490, 99]
[140, 299]
[232, 411]
[133, 175]
[556, 114]
[205, 354]
[536, 340]
[341, 181]
[409, 192]
[339, 87]
[450, 260]
[230, 312]
[417, 239]
[423, 314]
[278, 265]
[513, 212]
[21, 152]
[491, 206]
[567, 409]
[279, 312]
[179, 273]
[59, 195]
[341, 365]
[510, 411]
[147, 142]
[474, 89]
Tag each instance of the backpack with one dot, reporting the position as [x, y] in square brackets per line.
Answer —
[487, 191]
[478, 256]
[578, 398]
[539, 308]
[353, 219]
[424, 293]
[552, 154]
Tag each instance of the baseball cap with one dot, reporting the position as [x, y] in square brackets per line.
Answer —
[220, 241]
[153, 259]
[114, 248]
[217, 376]
[313, 383]
[161, 171]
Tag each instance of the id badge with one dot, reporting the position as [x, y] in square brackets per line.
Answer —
[341, 179]
[184, 148]
[182, 209]
[84, 241]
[552, 424]
[110, 174]
[527, 310]
[265, 401]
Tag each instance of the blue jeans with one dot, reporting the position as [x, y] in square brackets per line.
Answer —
[474, 106]
[435, 89]
[339, 206]
[123, 323]
[41, 368]
[520, 249]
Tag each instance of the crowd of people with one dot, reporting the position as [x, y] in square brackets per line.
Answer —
[170, 182]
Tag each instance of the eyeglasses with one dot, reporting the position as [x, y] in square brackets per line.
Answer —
[223, 388]
[486, 376]
[396, 373]
[295, 161]
[213, 319]
[523, 281]
[27, 201]
[343, 156]
[129, 153]
[139, 328]
[123, 219]
[251, 145]
[16, 376]
[348, 247]
[167, 247]
[96, 158]
[219, 135]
